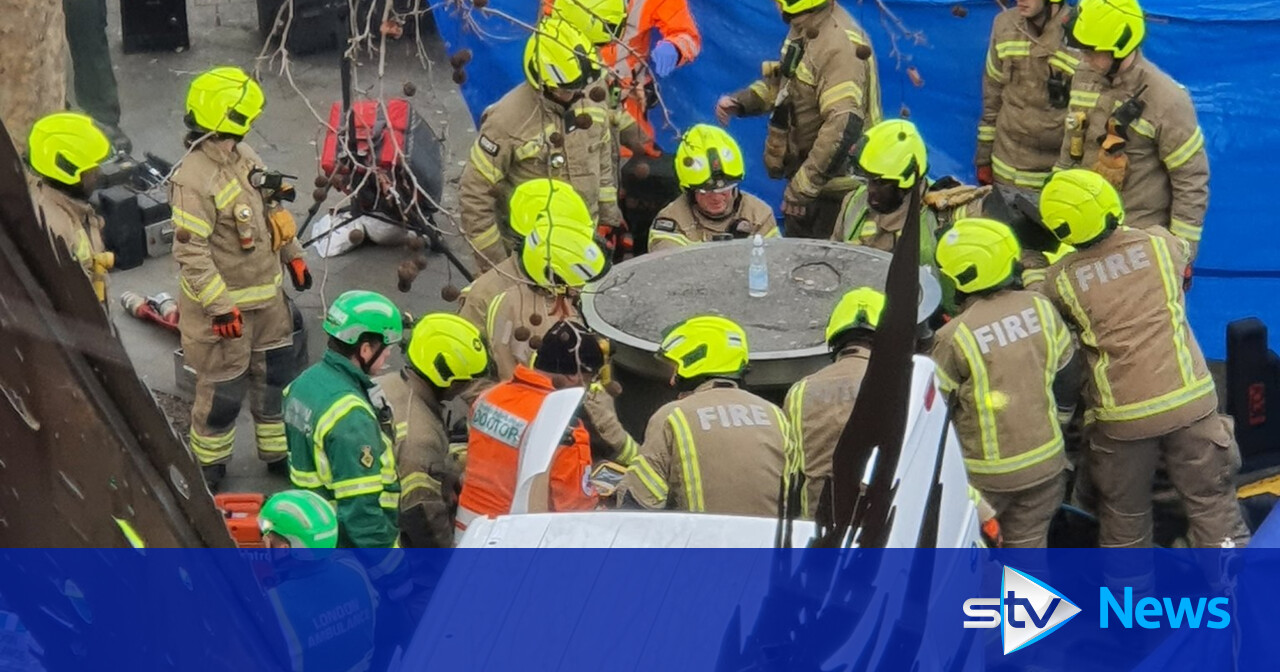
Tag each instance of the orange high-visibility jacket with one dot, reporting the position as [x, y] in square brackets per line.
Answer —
[499, 420]
[672, 20]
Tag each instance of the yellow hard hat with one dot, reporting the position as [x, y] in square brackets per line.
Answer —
[533, 198]
[793, 7]
[706, 345]
[444, 348]
[557, 56]
[858, 309]
[65, 144]
[224, 100]
[562, 255]
[708, 157]
[894, 150]
[1113, 26]
[978, 254]
[601, 21]
[1078, 206]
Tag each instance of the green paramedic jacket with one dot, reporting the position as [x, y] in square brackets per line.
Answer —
[339, 449]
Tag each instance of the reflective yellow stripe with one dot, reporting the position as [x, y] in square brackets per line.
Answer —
[1056, 343]
[1084, 99]
[402, 430]
[1064, 61]
[839, 92]
[297, 655]
[795, 411]
[493, 315]
[389, 500]
[354, 487]
[650, 478]
[762, 89]
[1088, 338]
[270, 437]
[130, 534]
[986, 133]
[185, 220]
[804, 74]
[1165, 402]
[690, 470]
[1013, 48]
[676, 238]
[982, 398]
[256, 293]
[794, 458]
[480, 161]
[389, 562]
[993, 71]
[947, 383]
[1059, 340]
[529, 149]
[1006, 465]
[1185, 230]
[1184, 153]
[212, 290]
[418, 480]
[487, 238]
[1033, 275]
[325, 424]
[1022, 178]
[305, 479]
[213, 448]
[1177, 318]
[629, 451]
[608, 194]
[227, 194]
[1143, 127]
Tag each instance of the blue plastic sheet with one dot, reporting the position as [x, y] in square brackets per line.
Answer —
[1226, 53]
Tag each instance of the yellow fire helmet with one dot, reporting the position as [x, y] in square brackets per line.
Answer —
[708, 157]
[224, 100]
[893, 150]
[534, 198]
[566, 256]
[706, 345]
[65, 144]
[557, 56]
[793, 7]
[601, 21]
[1078, 206]
[1113, 26]
[978, 254]
[858, 309]
[445, 348]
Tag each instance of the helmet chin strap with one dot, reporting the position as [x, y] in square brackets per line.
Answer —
[367, 366]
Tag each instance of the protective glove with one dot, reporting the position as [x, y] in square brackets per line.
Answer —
[985, 175]
[299, 274]
[664, 58]
[229, 325]
[283, 228]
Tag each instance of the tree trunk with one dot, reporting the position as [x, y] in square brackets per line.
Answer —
[33, 65]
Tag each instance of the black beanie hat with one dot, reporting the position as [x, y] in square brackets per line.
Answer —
[569, 349]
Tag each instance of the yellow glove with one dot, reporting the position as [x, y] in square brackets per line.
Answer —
[283, 228]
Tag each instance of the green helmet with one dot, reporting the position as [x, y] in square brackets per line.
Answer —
[302, 517]
[357, 312]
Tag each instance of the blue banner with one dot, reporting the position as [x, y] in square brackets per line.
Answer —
[503, 609]
[1227, 54]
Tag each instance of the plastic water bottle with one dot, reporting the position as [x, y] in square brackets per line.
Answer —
[758, 271]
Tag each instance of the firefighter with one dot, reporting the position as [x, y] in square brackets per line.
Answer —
[546, 127]
[822, 96]
[1135, 125]
[231, 240]
[635, 59]
[340, 427]
[528, 202]
[64, 150]
[569, 357]
[818, 406]
[444, 354]
[998, 360]
[1024, 94]
[709, 165]
[718, 448]
[557, 259]
[1151, 396]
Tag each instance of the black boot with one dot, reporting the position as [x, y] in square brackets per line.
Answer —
[279, 467]
[213, 475]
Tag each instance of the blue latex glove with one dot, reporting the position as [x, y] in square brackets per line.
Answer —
[664, 58]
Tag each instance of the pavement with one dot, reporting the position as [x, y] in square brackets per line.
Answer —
[287, 136]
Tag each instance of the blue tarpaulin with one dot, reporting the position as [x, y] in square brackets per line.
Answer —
[1226, 53]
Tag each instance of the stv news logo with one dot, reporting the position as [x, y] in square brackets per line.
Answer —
[1027, 608]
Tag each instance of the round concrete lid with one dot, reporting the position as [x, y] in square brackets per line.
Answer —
[641, 297]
